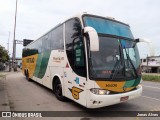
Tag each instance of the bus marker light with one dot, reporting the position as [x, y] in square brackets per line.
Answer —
[67, 66]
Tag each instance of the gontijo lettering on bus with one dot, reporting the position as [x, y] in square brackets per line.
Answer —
[30, 60]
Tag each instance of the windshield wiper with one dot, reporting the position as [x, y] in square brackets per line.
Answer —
[115, 69]
[129, 59]
[117, 66]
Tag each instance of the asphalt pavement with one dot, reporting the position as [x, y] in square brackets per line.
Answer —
[31, 96]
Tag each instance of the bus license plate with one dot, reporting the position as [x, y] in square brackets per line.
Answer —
[124, 98]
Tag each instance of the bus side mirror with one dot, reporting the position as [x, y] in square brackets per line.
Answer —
[149, 43]
[93, 36]
[136, 41]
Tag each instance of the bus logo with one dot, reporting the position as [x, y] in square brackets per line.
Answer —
[30, 60]
[75, 92]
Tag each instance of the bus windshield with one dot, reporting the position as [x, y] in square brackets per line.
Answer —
[107, 26]
[118, 57]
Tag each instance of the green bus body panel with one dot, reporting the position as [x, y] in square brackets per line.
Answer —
[132, 83]
[38, 65]
[129, 83]
[41, 64]
[137, 81]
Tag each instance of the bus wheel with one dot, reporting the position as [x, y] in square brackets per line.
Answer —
[27, 76]
[58, 90]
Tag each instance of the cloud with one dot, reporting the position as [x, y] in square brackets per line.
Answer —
[36, 17]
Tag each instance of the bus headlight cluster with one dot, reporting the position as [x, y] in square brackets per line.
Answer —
[99, 91]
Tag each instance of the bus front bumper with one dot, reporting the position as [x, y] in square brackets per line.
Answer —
[97, 101]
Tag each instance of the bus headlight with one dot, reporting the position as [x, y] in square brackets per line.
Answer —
[99, 91]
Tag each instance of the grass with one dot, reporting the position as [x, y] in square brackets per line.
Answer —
[154, 78]
[2, 76]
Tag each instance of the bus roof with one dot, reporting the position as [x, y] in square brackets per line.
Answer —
[79, 15]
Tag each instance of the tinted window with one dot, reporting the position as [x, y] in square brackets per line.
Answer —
[39, 45]
[75, 46]
[45, 43]
[106, 26]
[28, 52]
[51, 41]
[56, 38]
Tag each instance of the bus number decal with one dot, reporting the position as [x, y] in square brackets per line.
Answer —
[111, 85]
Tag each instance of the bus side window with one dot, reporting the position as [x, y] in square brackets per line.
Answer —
[56, 38]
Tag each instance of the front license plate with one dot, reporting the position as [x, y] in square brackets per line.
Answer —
[124, 98]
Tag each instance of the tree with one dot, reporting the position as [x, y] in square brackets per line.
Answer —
[3, 54]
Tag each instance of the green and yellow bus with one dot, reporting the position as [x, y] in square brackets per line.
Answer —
[90, 59]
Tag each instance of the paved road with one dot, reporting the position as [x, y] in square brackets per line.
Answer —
[30, 96]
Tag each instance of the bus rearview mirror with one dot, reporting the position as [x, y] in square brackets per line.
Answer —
[93, 36]
[149, 43]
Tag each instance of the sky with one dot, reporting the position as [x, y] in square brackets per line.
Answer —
[36, 17]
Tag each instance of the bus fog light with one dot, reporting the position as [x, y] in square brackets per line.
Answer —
[99, 91]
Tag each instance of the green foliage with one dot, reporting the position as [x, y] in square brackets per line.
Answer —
[155, 78]
[3, 54]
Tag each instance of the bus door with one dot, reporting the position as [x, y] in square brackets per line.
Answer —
[75, 73]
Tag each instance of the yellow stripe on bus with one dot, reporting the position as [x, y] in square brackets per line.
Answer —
[29, 63]
[113, 86]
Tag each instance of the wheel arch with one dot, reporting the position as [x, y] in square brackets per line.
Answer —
[55, 77]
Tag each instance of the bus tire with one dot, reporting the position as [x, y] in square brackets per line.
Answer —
[58, 90]
[27, 76]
